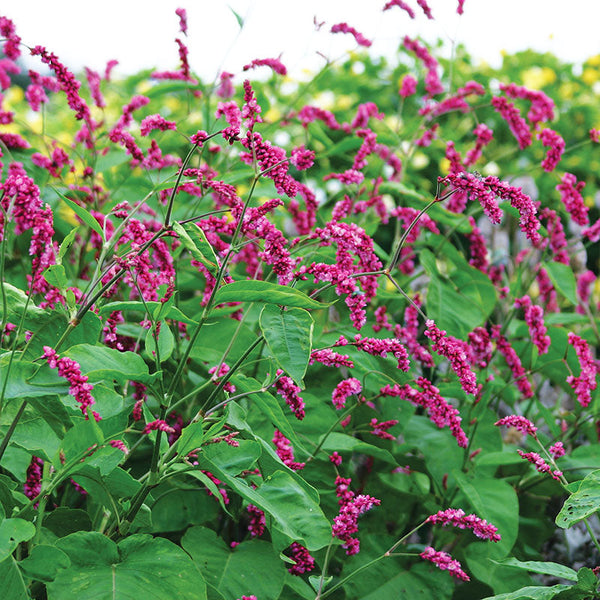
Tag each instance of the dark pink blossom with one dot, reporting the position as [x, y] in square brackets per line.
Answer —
[330, 358]
[433, 84]
[570, 194]
[534, 317]
[454, 350]
[443, 561]
[556, 144]
[557, 450]
[595, 135]
[290, 392]
[440, 411]
[153, 122]
[345, 525]
[343, 390]
[285, 451]
[484, 136]
[517, 124]
[361, 40]
[460, 8]
[33, 483]
[308, 114]
[408, 86]
[158, 425]
[456, 517]
[585, 383]
[67, 81]
[480, 347]
[79, 387]
[380, 429]
[233, 116]
[381, 347]
[542, 106]
[225, 89]
[539, 463]
[257, 524]
[584, 281]
[274, 63]
[513, 361]
[305, 563]
[11, 39]
[223, 370]
[425, 8]
[400, 4]
[182, 14]
[558, 239]
[336, 459]
[93, 79]
[302, 158]
[519, 423]
[120, 445]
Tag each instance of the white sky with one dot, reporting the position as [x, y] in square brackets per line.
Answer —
[140, 33]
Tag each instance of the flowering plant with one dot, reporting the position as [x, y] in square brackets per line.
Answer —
[256, 346]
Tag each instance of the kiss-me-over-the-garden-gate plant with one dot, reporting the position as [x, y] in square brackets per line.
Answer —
[261, 344]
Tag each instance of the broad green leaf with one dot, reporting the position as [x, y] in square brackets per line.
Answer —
[12, 533]
[234, 460]
[166, 342]
[176, 509]
[63, 521]
[194, 239]
[252, 567]
[138, 566]
[266, 292]
[13, 587]
[346, 443]
[82, 213]
[288, 334]
[190, 439]
[55, 275]
[44, 562]
[564, 281]
[545, 568]
[80, 438]
[100, 362]
[532, 592]
[581, 504]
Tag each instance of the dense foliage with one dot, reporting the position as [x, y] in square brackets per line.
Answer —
[236, 317]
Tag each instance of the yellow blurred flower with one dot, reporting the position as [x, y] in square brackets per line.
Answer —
[590, 76]
[444, 166]
[536, 78]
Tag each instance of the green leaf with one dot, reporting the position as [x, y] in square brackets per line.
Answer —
[342, 442]
[564, 281]
[12, 533]
[100, 362]
[532, 592]
[237, 18]
[83, 214]
[44, 562]
[191, 438]
[264, 291]
[166, 342]
[13, 586]
[138, 566]
[252, 567]
[55, 275]
[288, 334]
[176, 509]
[583, 503]
[194, 239]
[545, 568]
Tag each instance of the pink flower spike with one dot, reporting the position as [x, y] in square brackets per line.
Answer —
[158, 425]
[520, 423]
[556, 148]
[120, 445]
[153, 122]
[445, 562]
[457, 518]
[274, 63]
[585, 384]
[557, 450]
[361, 40]
[400, 4]
[305, 563]
[539, 463]
[454, 350]
[343, 390]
